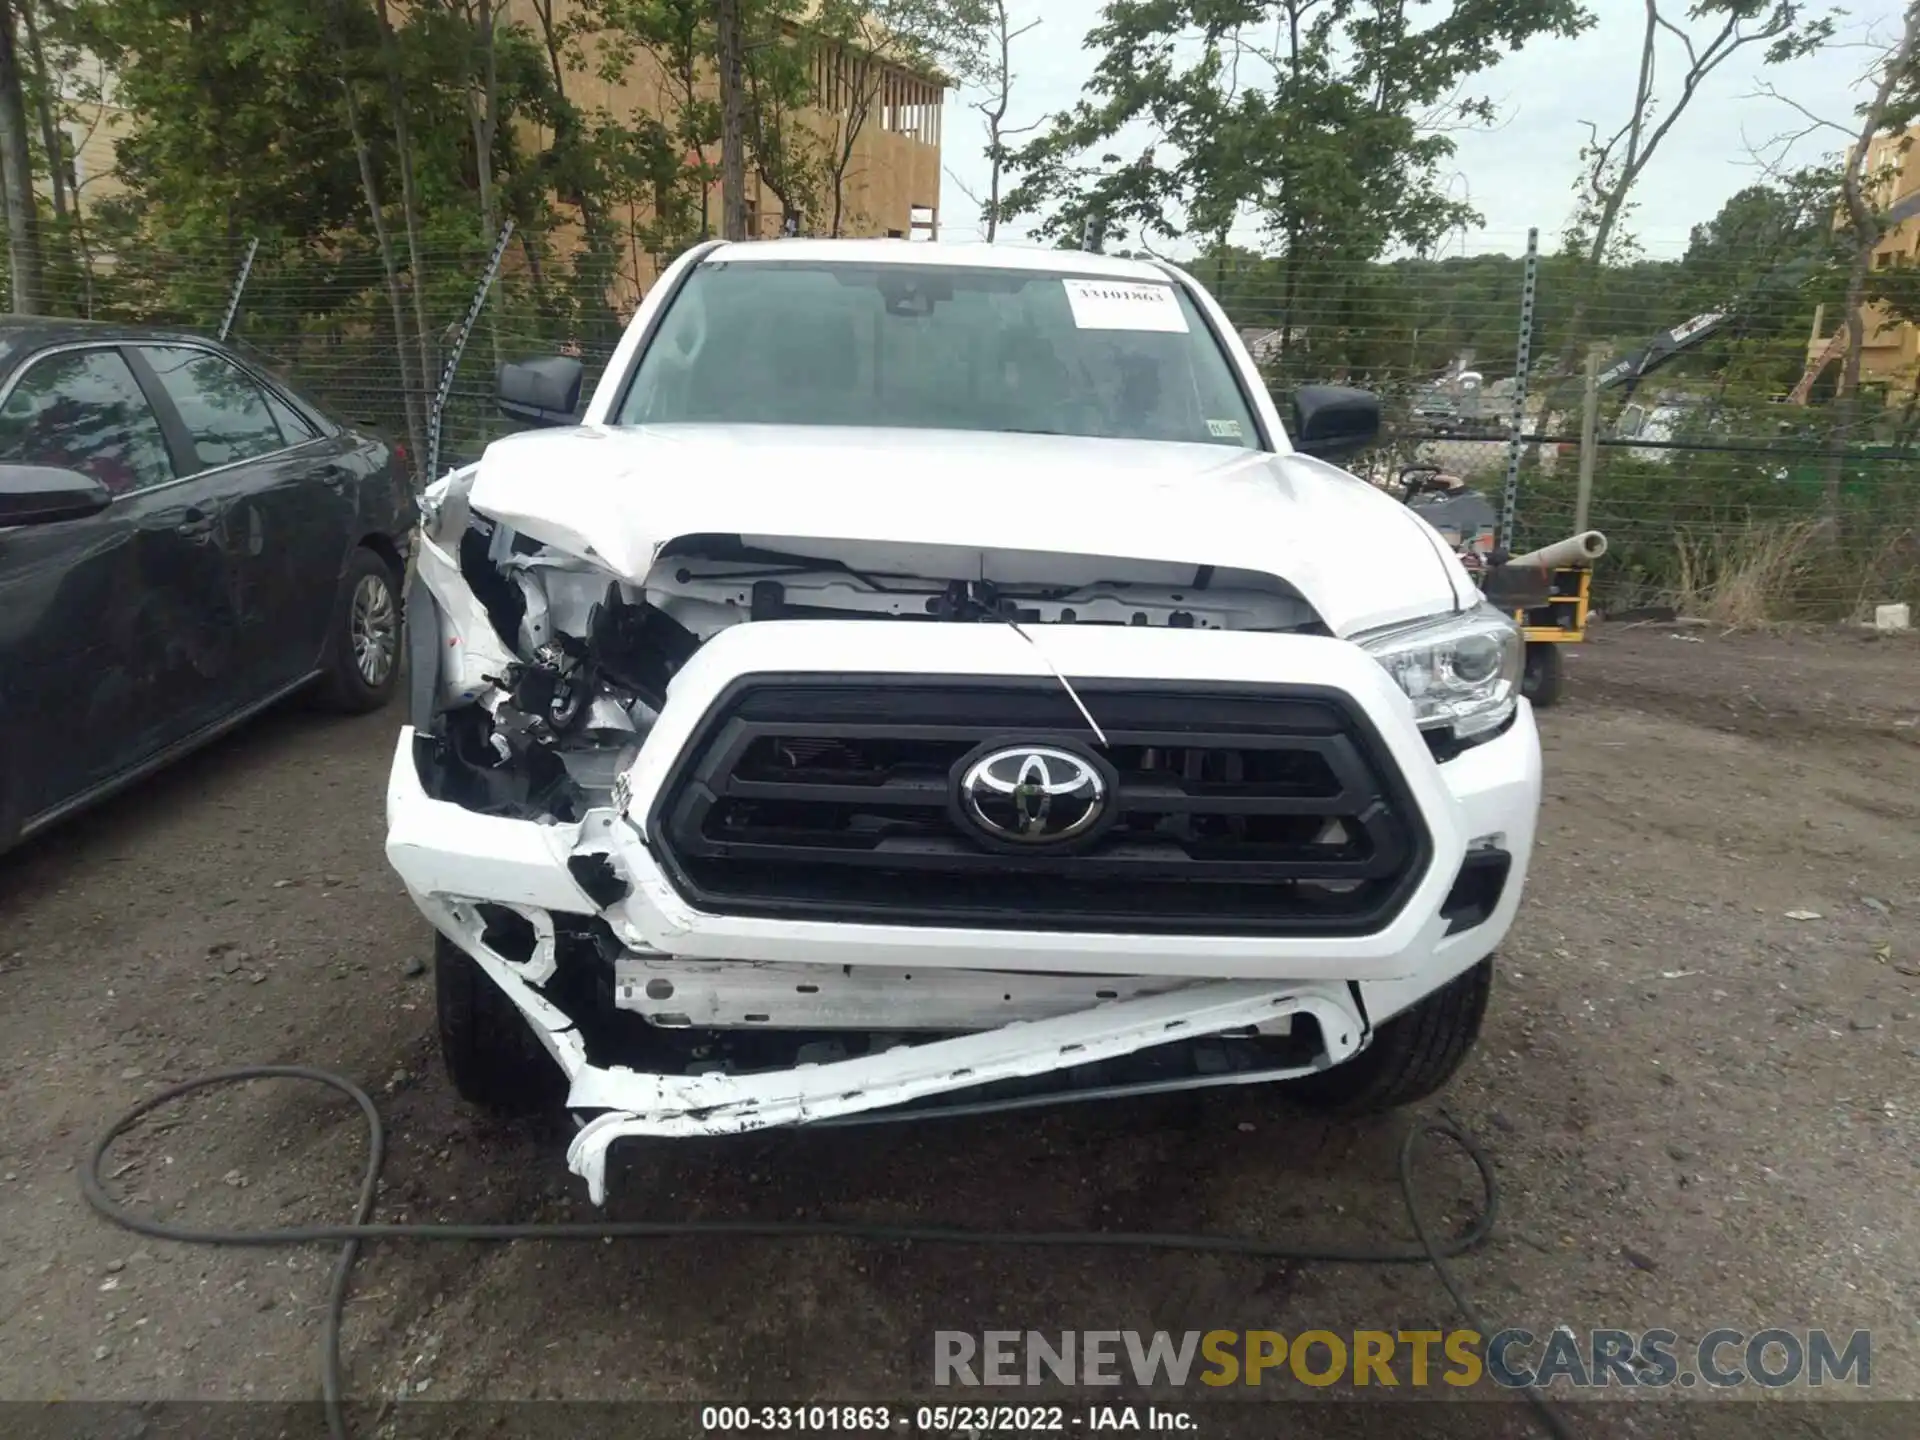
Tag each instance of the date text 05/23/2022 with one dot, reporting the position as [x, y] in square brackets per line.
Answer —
[953, 1420]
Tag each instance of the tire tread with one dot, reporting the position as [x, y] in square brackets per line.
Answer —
[1413, 1055]
[491, 1058]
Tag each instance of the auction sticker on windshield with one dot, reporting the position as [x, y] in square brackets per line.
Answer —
[1124, 305]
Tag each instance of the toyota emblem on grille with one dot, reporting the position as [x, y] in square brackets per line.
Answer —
[1033, 794]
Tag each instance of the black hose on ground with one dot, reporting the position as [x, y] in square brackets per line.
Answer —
[349, 1236]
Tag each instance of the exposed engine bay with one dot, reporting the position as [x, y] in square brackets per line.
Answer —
[552, 671]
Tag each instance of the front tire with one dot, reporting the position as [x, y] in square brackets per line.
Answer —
[1412, 1055]
[490, 1054]
[362, 667]
[1540, 681]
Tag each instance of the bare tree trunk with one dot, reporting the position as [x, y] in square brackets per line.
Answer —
[995, 110]
[410, 394]
[483, 119]
[1639, 140]
[50, 137]
[1630, 166]
[596, 265]
[16, 178]
[1868, 231]
[409, 206]
[996, 116]
[861, 83]
[733, 121]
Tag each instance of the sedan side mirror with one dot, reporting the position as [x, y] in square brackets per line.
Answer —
[1332, 421]
[42, 494]
[540, 392]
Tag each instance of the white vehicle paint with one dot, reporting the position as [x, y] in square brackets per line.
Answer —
[681, 779]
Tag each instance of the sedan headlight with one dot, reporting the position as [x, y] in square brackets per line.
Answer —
[1462, 672]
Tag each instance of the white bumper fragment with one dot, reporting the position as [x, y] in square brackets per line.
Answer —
[679, 1105]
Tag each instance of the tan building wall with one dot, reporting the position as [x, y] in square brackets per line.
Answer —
[892, 178]
[90, 137]
[90, 127]
[1890, 351]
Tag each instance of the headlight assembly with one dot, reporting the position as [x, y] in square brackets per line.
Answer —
[1462, 672]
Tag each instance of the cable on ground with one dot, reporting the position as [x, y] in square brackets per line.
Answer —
[363, 1226]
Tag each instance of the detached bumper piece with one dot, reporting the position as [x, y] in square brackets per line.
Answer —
[587, 1003]
[984, 1069]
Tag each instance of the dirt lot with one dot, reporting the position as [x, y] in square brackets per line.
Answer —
[1704, 1110]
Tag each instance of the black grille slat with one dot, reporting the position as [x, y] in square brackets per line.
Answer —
[1242, 809]
[893, 792]
[1130, 862]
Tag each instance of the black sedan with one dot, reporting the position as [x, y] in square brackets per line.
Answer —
[183, 541]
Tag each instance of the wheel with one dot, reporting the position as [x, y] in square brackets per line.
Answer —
[362, 665]
[1540, 681]
[1412, 1055]
[490, 1054]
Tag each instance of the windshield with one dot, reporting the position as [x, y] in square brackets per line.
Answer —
[929, 347]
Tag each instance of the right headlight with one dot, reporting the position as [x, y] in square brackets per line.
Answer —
[1462, 672]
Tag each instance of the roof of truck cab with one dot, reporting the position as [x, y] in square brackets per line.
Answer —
[973, 255]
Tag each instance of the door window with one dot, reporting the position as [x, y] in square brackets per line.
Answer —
[293, 425]
[221, 406]
[83, 410]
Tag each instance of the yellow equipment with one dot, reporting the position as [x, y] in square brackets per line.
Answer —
[1561, 620]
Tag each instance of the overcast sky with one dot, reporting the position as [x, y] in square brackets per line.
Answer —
[1520, 173]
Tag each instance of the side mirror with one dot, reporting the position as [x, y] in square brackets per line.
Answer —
[1332, 421]
[540, 392]
[42, 494]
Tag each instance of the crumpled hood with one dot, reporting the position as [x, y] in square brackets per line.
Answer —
[616, 497]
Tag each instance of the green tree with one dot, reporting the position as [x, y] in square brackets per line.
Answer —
[1323, 124]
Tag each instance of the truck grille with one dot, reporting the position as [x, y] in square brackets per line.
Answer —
[1248, 809]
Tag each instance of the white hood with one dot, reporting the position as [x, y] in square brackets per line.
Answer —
[618, 496]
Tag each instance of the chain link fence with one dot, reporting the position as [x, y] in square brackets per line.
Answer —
[1729, 477]
[1729, 482]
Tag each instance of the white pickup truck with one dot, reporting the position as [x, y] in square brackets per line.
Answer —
[932, 678]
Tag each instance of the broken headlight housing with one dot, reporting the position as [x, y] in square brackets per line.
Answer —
[1462, 672]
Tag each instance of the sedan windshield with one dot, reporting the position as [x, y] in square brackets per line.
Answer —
[934, 347]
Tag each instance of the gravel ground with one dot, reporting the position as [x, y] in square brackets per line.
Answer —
[1699, 1081]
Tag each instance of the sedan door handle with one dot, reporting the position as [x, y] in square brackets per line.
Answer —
[196, 522]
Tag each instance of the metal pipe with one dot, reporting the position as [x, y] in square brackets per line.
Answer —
[1589, 433]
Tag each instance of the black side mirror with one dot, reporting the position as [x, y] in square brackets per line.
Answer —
[1332, 421]
[540, 392]
[42, 494]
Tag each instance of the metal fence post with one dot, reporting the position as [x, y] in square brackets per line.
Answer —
[437, 417]
[1589, 441]
[1523, 360]
[239, 284]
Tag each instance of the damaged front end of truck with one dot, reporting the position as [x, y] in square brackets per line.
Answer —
[688, 801]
